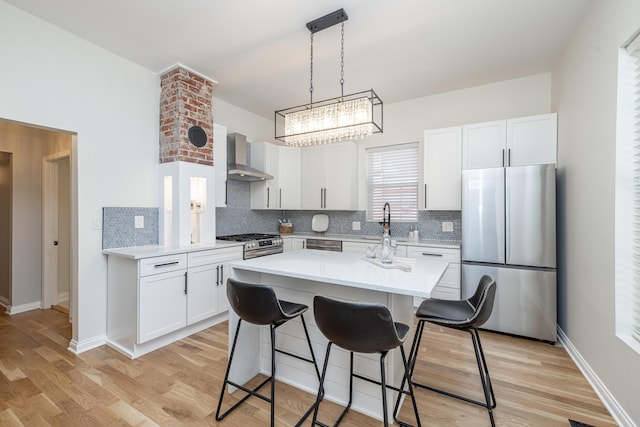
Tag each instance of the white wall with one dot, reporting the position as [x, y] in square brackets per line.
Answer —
[54, 79]
[255, 128]
[584, 94]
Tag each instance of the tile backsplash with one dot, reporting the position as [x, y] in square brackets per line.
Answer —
[238, 218]
[119, 231]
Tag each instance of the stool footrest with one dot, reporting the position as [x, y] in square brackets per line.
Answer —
[455, 396]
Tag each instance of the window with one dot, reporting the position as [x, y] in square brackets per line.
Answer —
[627, 268]
[392, 176]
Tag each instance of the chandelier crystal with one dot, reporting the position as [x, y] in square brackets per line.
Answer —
[348, 117]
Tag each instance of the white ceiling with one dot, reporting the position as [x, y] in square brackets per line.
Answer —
[258, 50]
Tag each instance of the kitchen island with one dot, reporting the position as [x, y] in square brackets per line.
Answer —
[300, 275]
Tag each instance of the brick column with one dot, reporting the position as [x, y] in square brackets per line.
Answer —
[186, 100]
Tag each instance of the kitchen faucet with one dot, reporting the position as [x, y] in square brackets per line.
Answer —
[386, 216]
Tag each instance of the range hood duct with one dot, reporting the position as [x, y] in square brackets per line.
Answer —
[237, 169]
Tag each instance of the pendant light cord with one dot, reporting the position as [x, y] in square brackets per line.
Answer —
[342, 62]
[311, 77]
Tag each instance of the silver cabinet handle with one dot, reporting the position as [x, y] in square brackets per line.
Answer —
[166, 264]
[268, 196]
[430, 254]
[503, 157]
[425, 196]
[280, 199]
[217, 275]
[221, 275]
[185, 282]
[509, 157]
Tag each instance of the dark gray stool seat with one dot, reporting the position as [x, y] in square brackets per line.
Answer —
[361, 328]
[258, 304]
[466, 315]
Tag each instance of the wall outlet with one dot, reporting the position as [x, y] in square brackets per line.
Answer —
[355, 225]
[139, 221]
[447, 226]
[96, 223]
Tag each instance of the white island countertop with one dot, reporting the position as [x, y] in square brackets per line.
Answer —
[351, 269]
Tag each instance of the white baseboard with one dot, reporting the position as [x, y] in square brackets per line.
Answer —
[617, 412]
[77, 347]
[16, 309]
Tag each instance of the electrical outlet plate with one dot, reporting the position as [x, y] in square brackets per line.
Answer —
[447, 226]
[139, 221]
[355, 225]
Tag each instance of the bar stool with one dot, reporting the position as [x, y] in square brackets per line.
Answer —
[466, 315]
[362, 328]
[258, 304]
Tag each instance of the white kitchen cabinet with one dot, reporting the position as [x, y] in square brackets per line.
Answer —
[154, 301]
[442, 171]
[515, 142]
[484, 144]
[162, 296]
[265, 157]
[220, 163]
[207, 282]
[449, 285]
[532, 140]
[289, 178]
[293, 243]
[329, 177]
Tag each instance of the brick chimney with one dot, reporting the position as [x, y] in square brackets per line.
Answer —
[186, 100]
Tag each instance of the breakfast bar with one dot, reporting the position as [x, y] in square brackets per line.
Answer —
[300, 275]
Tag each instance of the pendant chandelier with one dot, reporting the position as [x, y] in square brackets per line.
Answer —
[347, 117]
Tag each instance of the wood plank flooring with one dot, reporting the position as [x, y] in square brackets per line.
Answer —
[43, 384]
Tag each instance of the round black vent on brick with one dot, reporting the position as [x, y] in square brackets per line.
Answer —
[197, 136]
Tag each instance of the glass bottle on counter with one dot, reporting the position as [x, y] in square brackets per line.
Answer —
[387, 250]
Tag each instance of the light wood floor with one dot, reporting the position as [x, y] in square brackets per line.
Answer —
[43, 384]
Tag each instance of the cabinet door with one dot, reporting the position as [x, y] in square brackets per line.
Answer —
[483, 145]
[202, 294]
[220, 159]
[293, 244]
[341, 177]
[449, 285]
[162, 304]
[312, 177]
[264, 194]
[442, 169]
[221, 288]
[289, 178]
[532, 140]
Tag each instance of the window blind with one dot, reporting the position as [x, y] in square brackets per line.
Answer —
[633, 48]
[392, 177]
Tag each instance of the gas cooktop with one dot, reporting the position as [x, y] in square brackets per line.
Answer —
[247, 237]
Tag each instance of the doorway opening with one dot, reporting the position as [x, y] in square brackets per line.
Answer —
[56, 231]
[6, 206]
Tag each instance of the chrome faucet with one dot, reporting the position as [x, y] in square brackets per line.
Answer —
[386, 216]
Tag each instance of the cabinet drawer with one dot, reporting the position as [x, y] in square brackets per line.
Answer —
[451, 255]
[162, 264]
[451, 277]
[214, 256]
[445, 293]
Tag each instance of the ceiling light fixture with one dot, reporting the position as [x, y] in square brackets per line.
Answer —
[347, 117]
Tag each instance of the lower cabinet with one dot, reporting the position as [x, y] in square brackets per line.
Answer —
[293, 243]
[155, 301]
[449, 286]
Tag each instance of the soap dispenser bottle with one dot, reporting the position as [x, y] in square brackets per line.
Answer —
[387, 252]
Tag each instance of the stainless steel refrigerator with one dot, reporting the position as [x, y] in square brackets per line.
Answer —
[509, 232]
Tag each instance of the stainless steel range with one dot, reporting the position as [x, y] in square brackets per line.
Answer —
[256, 244]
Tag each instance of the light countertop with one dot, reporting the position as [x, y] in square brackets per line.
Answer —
[353, 270]
[140, 252]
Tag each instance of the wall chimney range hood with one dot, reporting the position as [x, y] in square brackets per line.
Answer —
[237, 168]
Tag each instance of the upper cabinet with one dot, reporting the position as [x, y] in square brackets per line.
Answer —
[442, 153]
[220, 163]
[289, 178]
[283, 163]
[265, 157]
[329, 177]
[514, 142]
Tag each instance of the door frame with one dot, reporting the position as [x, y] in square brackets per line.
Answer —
[50, 166]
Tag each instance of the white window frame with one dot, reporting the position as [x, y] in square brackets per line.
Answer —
[627, 195]
[403, 165]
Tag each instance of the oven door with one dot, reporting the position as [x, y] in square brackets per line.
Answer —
[269, 250]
